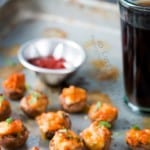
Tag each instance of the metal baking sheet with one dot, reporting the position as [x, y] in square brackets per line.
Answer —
[95, 26]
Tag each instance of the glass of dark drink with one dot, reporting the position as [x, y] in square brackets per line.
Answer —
[135, 29]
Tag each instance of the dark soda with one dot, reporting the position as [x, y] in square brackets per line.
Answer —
[135, 25]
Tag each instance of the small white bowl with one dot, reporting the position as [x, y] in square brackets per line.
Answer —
[73, 54]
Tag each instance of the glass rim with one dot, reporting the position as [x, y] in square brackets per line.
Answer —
[127, 3]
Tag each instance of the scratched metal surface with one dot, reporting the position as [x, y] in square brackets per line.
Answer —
[93, 25]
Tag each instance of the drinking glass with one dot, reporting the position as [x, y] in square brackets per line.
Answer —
[135, 30]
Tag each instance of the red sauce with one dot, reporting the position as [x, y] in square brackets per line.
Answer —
[49, 62]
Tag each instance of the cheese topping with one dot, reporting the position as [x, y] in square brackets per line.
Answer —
[67, 139]
[15, 81]
[73, 94]
[137, 137]
[105, 112]
[96, 137]
[52, 121]
[15, 126]
[39, 102]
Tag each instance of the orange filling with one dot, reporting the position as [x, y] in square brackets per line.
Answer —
[65, 139]
[6, 128]
[74, 93]
[52, 121]
[136, 137]
[15, 81]
[95, 137]
[37, 101]
[105, 112]
[4, 105]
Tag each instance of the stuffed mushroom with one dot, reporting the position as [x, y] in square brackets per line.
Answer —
[34, 103]
[14, 86]
[66, 139]
[97, 136]
[13, 133]
[73, 99]
[50, 122]
[138, 139]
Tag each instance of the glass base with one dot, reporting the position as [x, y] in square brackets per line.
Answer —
[134, 107]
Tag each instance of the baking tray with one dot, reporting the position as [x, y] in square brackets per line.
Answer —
[94, 25]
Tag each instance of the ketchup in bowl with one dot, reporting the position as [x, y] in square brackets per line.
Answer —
[49, 62]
